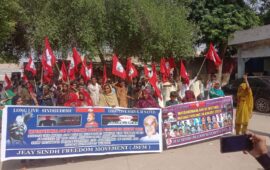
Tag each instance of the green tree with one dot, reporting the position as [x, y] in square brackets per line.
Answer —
[11, 15]
[219, 19]
[149, 29]
[78, 23]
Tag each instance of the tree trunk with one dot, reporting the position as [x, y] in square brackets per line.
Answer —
[101, 56]
[223, 48]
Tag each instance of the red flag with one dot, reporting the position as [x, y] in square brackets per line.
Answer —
[183, 73]
[172, 62]
[63, 74]
[86, 71]
[213, 56]
[47, 76]
[162, 66]
[164, 69]
[147, 72]
[48, 58]
[104, 79]
[25, 79]
[153, 81]
[7, 83]
[118, 68]
[30, 87]
[76, 58]
[48, 61]
[31, 66]
[151, 74]
[72, 71]
[131, 70]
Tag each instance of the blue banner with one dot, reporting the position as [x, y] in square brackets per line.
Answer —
[33, 132]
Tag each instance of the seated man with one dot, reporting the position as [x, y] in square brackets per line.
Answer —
[173, 100]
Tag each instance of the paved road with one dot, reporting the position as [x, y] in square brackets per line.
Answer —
[203, 156]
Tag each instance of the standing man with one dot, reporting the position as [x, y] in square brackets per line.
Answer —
[244, 107]
[94, 89]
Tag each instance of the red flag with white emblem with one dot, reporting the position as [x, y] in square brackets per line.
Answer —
[7, 83]
[31, 66]
[118, 68]
[76, 58]
[131, 70]
[71, 71]
[86, 71]
[213, 56]
[48, 58]
[151, 74]
[63, 74]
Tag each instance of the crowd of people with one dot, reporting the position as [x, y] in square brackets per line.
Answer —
[138, 94]
[135, 94]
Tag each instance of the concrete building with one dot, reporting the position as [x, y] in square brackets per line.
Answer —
[253, 50]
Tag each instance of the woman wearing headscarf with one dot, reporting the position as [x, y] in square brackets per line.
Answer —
[108, 98]
[146, 100]
[244, 106]
[215, 91]
[72, 100]
[84, 98]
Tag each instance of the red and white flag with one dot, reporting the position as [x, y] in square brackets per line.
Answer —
[86, 71]
[104, 78]
[71, 71]
[131, 70]
[118, 68]
[151, 74]
[213, 56]
[147, 72]
[7, 83]
[48, 58]
[76, 58]
[183, 73]
[63, 74]
[31, 66]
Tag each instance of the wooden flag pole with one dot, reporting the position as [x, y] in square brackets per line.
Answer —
[201, 67]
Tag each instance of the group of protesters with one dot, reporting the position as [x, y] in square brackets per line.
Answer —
[135, 94]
